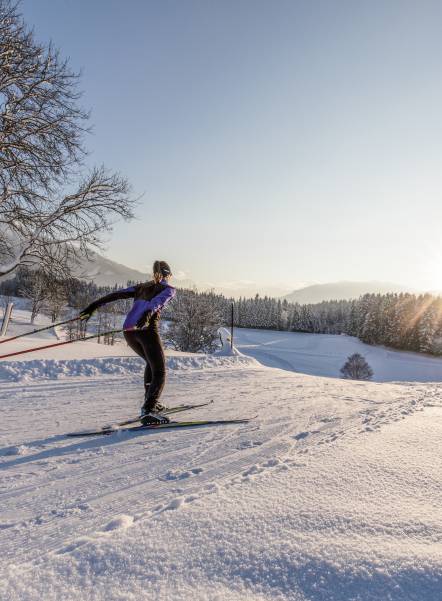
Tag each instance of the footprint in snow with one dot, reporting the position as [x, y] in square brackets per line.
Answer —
[121, 522]
[177, 475]
[272, 462]
[178, 502]
[74, 545]
[255, 469]
[249, 444]
[259, 468]
[328, 420]
[211, 488]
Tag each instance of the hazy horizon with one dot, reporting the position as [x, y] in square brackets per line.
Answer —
[123, 273]
[288, 142]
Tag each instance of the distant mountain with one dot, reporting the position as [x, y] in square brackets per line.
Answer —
[342, 291]
[105, 272]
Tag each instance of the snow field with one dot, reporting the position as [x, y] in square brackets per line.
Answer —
[324, 355]
[331, 494]
[314, 354]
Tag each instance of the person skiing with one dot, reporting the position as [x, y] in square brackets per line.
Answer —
[141, 332]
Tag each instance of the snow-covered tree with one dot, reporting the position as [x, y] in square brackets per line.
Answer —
[195, 324]
[356, 368]
[427, 327]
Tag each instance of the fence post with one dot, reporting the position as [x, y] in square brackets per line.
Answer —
[231, 330]
[6, 318]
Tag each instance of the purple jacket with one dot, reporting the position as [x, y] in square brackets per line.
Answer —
[155, 305]
[147, 297]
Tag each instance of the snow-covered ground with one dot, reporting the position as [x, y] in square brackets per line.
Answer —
[331, 493]
[324, 355]
[314, 354]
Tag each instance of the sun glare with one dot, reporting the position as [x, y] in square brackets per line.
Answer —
[433, 272]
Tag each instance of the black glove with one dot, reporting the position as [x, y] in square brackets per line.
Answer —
[144, 320]
[87, 313]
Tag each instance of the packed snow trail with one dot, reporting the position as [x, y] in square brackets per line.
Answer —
[332, 493]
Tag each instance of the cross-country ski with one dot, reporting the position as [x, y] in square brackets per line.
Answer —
[167, 426]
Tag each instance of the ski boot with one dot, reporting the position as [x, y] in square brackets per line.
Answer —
[152, 414]
[153, 418]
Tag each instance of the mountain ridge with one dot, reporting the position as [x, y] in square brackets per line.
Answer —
[106, 272]
[344, 290]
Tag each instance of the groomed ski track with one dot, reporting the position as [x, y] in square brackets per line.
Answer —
[302, 503]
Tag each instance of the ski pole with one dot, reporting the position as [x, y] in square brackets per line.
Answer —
[54, 325]
[45, 346]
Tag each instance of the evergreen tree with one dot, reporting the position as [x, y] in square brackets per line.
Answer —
[426, 329]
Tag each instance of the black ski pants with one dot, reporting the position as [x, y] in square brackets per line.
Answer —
[147, 344]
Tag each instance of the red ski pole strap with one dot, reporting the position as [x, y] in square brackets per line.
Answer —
[45, 346]
[53, 325]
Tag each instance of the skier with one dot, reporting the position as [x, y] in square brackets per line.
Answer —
[141, 332]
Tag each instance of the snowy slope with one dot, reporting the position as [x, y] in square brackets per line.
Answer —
[324, 355]
[333, 492]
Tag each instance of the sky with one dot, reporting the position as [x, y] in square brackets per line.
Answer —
[273, 143]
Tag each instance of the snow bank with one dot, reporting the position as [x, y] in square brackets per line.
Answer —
[210, 361]
[53, 369]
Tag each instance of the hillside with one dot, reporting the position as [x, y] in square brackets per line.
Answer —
[325, 354]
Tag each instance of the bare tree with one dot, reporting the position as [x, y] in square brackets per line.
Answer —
[36, 289]
[46, 216]
[108, 321]
[56, 299]
[356, 368]
[74, 330]
[196, 323]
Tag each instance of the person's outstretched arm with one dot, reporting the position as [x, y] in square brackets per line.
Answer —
[109, 298]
